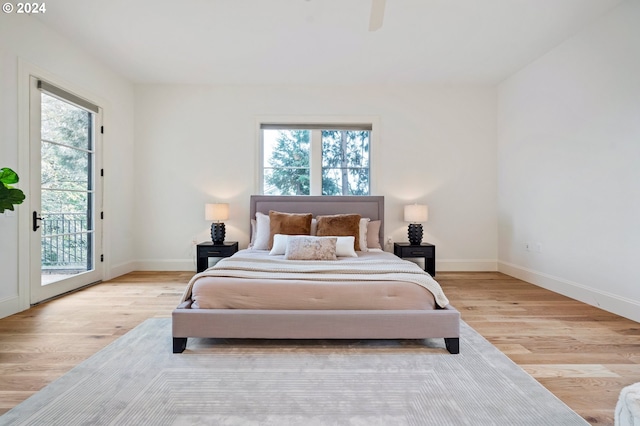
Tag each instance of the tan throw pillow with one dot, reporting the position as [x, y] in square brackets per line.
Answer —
[340, 225]
[288, 224]
[373, 234]
[310, 248]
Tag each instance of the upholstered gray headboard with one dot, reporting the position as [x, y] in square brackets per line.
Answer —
[371, 206]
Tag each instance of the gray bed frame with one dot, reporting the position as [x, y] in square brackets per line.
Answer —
[316, 324]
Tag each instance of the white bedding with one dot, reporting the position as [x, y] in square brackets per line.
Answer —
[371, 280]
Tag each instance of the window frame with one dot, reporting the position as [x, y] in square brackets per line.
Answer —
[315, 154]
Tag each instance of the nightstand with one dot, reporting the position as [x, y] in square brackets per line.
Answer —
[208, 249]
[424, 250]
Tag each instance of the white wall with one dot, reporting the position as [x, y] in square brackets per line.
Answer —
[569, 166]
[198, 144]
[23, 36]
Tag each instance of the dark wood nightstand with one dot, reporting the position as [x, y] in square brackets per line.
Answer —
[208, 249]
[425, 250]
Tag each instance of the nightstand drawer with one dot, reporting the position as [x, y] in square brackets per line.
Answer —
[417, 251]
[424, 250]
[208, 249]
[216, 252]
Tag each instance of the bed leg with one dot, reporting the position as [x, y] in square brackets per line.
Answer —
[179, 344]
[452, 344]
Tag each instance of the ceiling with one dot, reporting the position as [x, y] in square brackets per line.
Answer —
[319, 42]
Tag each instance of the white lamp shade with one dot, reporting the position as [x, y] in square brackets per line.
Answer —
[218, 211]
[416, 213]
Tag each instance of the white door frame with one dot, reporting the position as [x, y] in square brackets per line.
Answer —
[27, 70]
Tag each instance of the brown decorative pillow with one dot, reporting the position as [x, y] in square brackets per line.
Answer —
[288, 224]
[340, 225]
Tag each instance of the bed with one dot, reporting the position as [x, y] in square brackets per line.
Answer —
[251, 303]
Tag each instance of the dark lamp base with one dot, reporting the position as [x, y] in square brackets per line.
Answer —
[217, 233]
[415, 234]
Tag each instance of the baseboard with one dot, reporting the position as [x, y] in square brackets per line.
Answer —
[165, 265]
[121, 269]
[609, 302]
[466, 265]
[9, 306]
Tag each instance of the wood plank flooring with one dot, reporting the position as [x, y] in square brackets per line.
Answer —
[582, 354]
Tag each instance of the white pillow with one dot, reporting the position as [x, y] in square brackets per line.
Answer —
[263, 232]
[363, 233]
[344, 245]
[279, 244]
[253, 233]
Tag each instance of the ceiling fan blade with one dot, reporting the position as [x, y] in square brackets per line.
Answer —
[377, 14]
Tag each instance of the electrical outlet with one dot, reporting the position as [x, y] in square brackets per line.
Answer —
[539, 247]
[389, 240]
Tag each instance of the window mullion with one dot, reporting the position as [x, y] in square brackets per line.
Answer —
[315, 161]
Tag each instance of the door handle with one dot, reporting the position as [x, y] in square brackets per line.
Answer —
[36, 218]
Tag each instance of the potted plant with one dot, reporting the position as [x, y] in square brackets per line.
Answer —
[9, 196]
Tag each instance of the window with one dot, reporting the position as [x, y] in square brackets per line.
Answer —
[303, 159]
[287, 165]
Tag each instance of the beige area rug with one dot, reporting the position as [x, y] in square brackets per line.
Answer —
[137, 380]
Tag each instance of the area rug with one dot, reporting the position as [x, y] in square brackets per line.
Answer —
[137, 380]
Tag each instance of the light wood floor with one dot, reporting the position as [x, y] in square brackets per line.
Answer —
[582, 354]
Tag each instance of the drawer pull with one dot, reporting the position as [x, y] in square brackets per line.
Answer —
[417, 252]
[214, 252]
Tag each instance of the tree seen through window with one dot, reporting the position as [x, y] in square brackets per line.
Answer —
[344, 166]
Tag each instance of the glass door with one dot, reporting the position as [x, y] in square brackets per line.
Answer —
[66, 235]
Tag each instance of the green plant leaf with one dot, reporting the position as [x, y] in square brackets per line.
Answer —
[8, 176]
[9, 196]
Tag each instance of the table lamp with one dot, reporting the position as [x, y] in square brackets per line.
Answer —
[414, 214]
[217, 212]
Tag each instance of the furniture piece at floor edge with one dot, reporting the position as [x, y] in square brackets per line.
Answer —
[208, 249]
[424, 250]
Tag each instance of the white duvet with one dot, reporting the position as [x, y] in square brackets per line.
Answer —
[368, 266]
